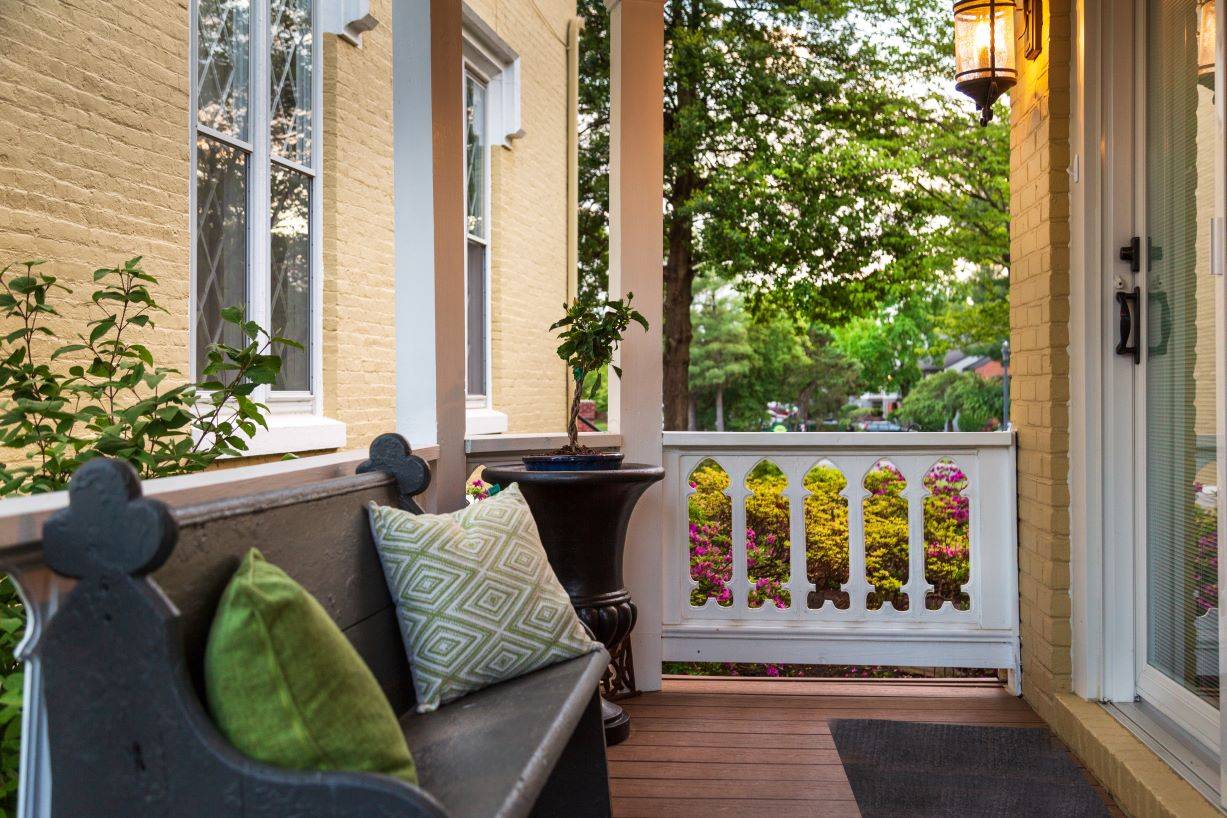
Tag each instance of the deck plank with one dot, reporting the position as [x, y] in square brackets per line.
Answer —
[713, 748]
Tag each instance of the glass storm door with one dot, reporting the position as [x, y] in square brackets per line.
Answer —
[1180, 373]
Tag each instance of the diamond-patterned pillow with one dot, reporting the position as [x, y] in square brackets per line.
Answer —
[475, 596]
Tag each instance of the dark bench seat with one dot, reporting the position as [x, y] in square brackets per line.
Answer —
[508, 758]
[123, 665]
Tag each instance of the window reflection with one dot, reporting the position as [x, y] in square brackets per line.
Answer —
[221, 241]
[291, 274]
[290, 75]
[223, 29]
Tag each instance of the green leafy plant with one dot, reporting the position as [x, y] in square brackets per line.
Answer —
[112, 398]
[591, 331]
[106, 397]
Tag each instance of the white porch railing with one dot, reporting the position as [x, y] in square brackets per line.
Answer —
[805, 625]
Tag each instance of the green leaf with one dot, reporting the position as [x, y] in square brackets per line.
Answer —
[101, 328]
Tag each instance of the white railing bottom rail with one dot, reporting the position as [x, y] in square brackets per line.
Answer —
[866, 548]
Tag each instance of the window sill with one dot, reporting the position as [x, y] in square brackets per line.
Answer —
[484, 422]
[297, 433]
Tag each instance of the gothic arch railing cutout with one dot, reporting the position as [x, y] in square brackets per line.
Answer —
[768, 537]
[886, 539]
[947, 535]
[710, 534]
[826, 536]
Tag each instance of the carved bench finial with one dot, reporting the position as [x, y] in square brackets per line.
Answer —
[108, 526]
[392, 454]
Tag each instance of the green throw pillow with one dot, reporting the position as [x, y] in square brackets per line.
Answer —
[475, 595]
[287, 688]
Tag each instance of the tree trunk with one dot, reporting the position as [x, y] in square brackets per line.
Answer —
[719, 408]
[679, 289]
[692, 422]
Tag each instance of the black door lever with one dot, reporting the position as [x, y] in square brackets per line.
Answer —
[1130, 325]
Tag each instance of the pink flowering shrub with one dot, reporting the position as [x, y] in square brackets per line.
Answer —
[886, 536]
[711, 525]
[947, 541]
[768, 545]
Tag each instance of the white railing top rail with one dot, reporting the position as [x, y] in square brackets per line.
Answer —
[876, 441]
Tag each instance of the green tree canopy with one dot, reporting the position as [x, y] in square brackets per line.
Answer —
[938, 400]
[722, 352]
[811, 159]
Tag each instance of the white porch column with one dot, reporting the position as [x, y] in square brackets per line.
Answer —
[636, 259]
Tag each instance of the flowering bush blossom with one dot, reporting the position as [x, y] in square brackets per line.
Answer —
[477, 489]
[768, 546]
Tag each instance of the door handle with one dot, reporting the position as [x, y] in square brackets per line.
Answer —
[1130, 325]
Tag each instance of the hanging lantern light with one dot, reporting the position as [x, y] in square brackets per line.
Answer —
[1207, 37]
[984, 51]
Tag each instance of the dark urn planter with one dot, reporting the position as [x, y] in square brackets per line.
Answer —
[582, 517]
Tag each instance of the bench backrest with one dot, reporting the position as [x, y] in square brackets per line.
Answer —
[127, 733]
[321, 537]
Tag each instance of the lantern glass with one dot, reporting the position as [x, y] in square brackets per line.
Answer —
[984, 40]
[1207, 36]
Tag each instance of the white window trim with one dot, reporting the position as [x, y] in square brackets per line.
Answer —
[484, 400]
[490, 57]
[287, 410]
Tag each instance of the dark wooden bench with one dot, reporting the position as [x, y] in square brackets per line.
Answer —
[122, 663]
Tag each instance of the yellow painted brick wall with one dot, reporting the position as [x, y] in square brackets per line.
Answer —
[529, 219]
[94, 164]
[94, 149]
[359, 251]
[1039, 316]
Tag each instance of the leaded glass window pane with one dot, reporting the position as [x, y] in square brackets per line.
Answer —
[291, 274]
[475, 155]
[290, 76]
[223, 36]
[221, 242]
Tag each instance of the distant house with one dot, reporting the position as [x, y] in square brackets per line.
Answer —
[882, 403]
[958, 361]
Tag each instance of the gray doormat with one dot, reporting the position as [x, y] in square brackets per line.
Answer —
[900, 768]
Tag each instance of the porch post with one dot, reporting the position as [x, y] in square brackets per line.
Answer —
[447, 117]
[636, 264]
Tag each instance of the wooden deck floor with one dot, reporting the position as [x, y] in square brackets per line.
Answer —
[781, 760]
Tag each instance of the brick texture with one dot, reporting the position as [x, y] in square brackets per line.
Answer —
[1039, 310]
[528, 220]
[359, 239]
[94, 150]
[94, 169]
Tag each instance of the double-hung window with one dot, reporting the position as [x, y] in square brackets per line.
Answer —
[256, 187]
[477, 239]
[491, 117]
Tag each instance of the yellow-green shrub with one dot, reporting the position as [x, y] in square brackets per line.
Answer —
[768, 543]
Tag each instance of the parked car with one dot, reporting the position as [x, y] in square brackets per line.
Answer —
[883, 426]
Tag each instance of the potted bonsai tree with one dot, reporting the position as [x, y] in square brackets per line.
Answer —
[582, 500]
[591, 331]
